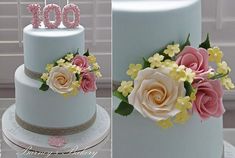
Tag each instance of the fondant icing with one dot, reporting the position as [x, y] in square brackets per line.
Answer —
[43, 46]
[50, 109]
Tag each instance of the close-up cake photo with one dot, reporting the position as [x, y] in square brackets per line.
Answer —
[173, 91]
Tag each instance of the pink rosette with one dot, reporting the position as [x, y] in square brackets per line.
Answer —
[76, 11]
[196, 59]
[88, 83]
[35, 10]
[80, 61]
[56, 141]
[58, 19]
[209, 99]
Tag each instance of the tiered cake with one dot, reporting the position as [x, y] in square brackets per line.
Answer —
[55, 109]
[140, 27]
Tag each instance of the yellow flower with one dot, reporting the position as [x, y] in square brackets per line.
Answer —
[155, 61]
[211, 74]
[189, 75]
[49, 67]
[125, 88]
[223, 67]
[69, 56]
[183, 103]
[169, 63]
[215, 54]
[98, 74]
[60, 62]
[227, 82]
[182, 117]
[74, 69]
[165, 123]
[44, 76]
[179, 73]
[193, 95]
[133, 70]
[91, 59]
[77, 84]
[172, 50]
[96, 66]
[74, 92]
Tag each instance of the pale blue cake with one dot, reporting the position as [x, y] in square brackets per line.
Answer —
[141, 27]
[49, 109]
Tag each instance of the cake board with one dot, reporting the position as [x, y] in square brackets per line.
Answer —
[79, 145]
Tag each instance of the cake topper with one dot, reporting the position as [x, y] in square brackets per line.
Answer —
[60, 15]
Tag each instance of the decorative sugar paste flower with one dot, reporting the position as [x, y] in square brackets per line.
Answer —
[155, 94]
[88, 82]
[60, 80]
[80, 61]
[195, 59]
[57, 141]
[208, 100]
[133, 70]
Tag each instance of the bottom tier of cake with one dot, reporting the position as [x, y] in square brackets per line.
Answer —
[135, 136]
[50, 109]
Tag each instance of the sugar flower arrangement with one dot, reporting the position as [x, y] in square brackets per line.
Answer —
[71, 73]
[175, 82]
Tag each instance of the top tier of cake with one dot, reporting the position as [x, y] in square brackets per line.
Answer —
[43, 46]
[141, 27]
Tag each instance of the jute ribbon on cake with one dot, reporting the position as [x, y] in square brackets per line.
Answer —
[32, 74]
[55, 131]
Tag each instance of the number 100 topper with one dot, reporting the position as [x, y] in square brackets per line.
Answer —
[35, 9]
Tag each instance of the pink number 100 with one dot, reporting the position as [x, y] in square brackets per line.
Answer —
[35, 9]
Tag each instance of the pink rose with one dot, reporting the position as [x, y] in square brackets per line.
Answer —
[88, 82]
[80, 61]
[196, 59]
[209, 99]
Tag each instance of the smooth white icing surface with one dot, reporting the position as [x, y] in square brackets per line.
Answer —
[50, 109]
[150, 5]
[140, 27]
[137, 137]
[43, 46]
[143, 26]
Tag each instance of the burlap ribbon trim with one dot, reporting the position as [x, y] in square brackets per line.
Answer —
[32, 74]
[55, 131]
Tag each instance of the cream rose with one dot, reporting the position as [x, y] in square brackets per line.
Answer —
[155, 94]
[60, 80]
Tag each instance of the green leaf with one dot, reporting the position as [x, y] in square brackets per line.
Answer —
[87, 53]
[146, 63]
[77, 76]
[120, 96]
[44, 87]
[188, 87]
[186, 43]
[77, 52]
[124, 109]
[206, 44]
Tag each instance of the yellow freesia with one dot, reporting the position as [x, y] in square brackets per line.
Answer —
[227, 82]
[155, 61]
[183, 103]
[96, 66]
[98, 74]
[60, 62]
[223, 67]
[125, 88]
[133, 70]
[172, 50]
[69, 56]
[49, 67]
[165, 123]
[44, 76]
[91, 59]
[182, 117]
[215, 54]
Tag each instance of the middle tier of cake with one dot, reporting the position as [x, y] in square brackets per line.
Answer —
[49, 109]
